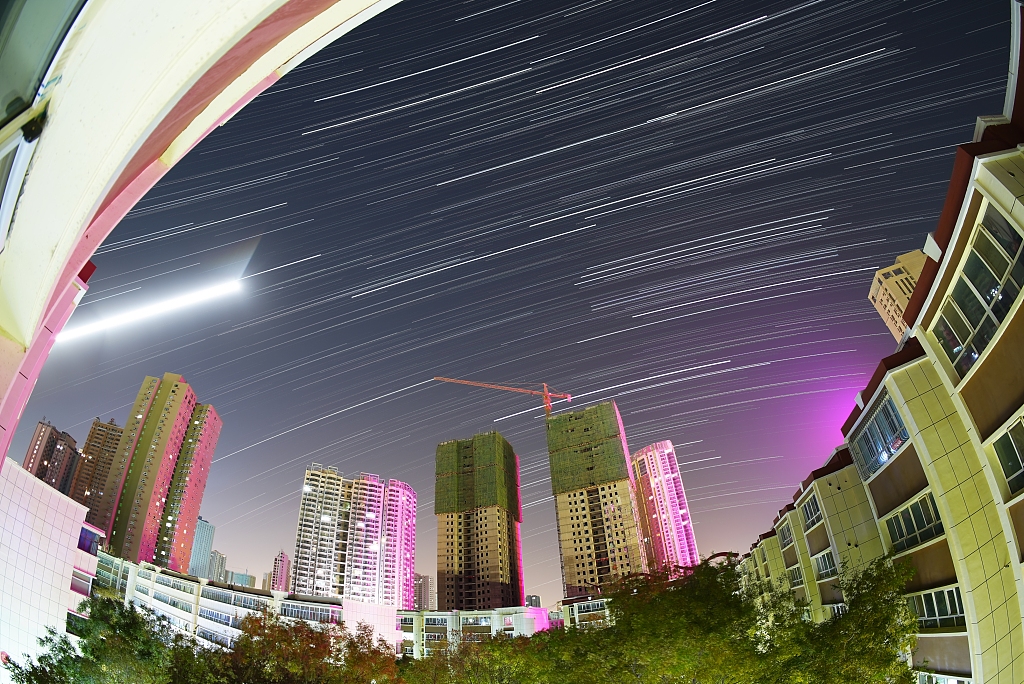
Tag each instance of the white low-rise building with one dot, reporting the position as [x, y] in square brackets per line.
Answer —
[47, 561]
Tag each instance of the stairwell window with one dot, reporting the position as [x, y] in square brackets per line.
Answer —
[986, 289]
[1010, 452]
[914, 524]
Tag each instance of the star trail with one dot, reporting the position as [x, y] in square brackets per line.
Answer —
[678, 205]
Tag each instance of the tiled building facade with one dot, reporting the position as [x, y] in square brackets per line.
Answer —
[932, 468]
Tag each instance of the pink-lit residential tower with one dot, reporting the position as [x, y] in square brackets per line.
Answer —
[662, 511]
[281, 574]
[399, 570]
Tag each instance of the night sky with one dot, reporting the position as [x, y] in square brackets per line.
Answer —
[678, 205]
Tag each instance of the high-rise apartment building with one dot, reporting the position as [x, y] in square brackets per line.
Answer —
[425, 597]
[63, 464]
[94, 464]
[202, 547]
[479, 512]
[664, 517]
[355, 538]
[595, 508]
[240, 579]
[52, 456]
[891, 289]
[217, 567]
[533, 601]
[40, 449]
[149, 504]
[281, 574]
[399, 541]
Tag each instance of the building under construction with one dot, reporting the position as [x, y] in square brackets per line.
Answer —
[479, 512]
[594, 506]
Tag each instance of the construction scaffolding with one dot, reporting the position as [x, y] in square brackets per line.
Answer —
[475, 473]
[586, 448]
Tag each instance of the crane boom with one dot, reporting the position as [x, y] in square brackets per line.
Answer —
[546, 393]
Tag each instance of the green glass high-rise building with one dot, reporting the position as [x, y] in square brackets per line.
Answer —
[479, 513]
[594, 498]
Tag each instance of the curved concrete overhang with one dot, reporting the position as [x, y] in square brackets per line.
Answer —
[134, 87]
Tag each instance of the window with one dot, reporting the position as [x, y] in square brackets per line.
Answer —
[436, 622]
[938, 608]
[796, 576]
[1010, 452]
[825, 564]
[837, 609]
[988, 285]
[914, 524]
[811, 511]
[879, 437]
[785, 535]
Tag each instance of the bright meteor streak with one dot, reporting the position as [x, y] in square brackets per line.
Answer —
[156, 309]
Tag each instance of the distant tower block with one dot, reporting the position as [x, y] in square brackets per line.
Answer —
[595, 510]
[479, 512]
[202, 548]
[425, 594]
[892, 287]
[281, 574]
[97, 457]
[661, 507]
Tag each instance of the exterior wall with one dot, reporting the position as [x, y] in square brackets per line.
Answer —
[202, 547]
[217, 570]
[598, 537]
[39, 534]
[365, 531]
[661, 508]
[319, 560]
[479, 513]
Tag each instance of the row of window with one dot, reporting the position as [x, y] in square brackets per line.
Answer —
[986, 289]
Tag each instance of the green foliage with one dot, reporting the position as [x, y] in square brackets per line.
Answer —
[693, 626]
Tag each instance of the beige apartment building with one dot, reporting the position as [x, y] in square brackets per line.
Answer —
[94, 465]
[892, 287]
[932, 467]
[479, 512]
[596, 513]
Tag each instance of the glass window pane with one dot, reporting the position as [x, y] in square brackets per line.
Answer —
[908, 521]
[984, 282]
[968, 302]
[895, 530]
[947, 338]
[1001, 306]
[918, 514]
[940, 604]
[967, 359]
[1002, 231]
[929, 605]
[991, 254]
[1007, 455]
[1018, 273]
[985, 333]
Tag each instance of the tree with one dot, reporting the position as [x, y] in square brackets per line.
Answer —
[118, 644]
[276, 651]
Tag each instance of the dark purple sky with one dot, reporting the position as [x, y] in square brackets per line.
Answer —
[675, 205]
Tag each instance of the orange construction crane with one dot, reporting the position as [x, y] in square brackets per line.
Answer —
[547, 394]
